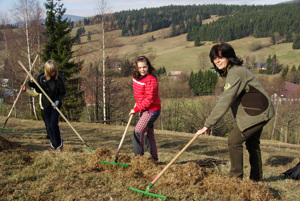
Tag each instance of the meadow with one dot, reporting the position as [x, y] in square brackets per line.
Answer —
[176, 53]
[31, 170]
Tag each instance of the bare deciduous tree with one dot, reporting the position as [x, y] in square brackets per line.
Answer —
[28, 13]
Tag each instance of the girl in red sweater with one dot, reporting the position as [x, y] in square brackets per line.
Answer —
[145, 89]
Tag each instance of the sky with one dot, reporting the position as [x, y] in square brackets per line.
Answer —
[87, 8]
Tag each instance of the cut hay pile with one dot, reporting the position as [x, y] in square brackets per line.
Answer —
[187, 181]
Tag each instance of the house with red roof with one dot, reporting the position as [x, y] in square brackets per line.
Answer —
[290, 93]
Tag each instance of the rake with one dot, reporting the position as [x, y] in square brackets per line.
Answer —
[45, 94]
[116, 156]
[20, 91]
[146, 192]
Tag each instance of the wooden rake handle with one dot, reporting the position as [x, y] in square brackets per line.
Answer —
[174, 159]
[53, 103]
[121, 142]
[20, 91]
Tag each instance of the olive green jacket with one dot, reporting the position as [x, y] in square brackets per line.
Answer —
[249, 102]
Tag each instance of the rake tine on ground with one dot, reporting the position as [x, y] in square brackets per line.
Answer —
[89, 149]
[120, 145]
[146, 192]
[5, 129]
[115, 163]
[45, 94]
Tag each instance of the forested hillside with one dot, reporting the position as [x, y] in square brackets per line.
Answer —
[236, 22]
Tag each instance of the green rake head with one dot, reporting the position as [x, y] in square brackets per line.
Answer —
[146, 192]
[5, 129]
[115, 163]
[89, 149]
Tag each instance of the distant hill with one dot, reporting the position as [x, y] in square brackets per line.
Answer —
[72, 17]
[293, 1]
[42, 21]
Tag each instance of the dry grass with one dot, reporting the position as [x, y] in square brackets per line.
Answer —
[177, 54]
[30, 170]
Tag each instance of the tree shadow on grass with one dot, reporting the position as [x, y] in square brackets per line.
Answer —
[279, 160]
[216, 152]
[196, 147]
[273, 178]
[207, 162]
[275, 193]
[171, 144]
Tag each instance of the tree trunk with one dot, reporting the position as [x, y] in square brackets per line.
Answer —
[97, 96]
[28, 53]
[275, 120]
[103, 63]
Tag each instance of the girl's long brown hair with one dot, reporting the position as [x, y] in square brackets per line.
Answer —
[151, 69]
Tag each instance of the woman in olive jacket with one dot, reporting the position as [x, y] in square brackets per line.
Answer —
[250, 105]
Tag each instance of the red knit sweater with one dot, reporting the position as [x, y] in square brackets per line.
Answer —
[146, 94]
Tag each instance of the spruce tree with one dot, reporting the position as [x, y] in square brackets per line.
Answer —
[296, 43]
[269, 65]
[197, 41]
[285, 72]
[59, 48]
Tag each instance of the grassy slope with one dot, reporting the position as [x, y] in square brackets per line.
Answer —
[74, 174]
[178, 54]
[174, 53]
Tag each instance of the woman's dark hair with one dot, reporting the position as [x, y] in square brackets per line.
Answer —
[151, 70]
[224, 50]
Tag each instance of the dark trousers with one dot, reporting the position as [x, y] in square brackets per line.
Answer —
[43, 116]
[52, 119]
[251, 137]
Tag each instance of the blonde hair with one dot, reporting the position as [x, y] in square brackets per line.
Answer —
[51, 66]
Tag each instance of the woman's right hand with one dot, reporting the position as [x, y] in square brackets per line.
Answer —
[203, 130]
[132, 112]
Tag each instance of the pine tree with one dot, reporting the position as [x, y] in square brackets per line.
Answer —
[285, 72]
[197, 41]
[273, 39]
[59, 48]
[269, 65]
[191, 80]
[89, 36]
[126, 68]
[296, 43]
